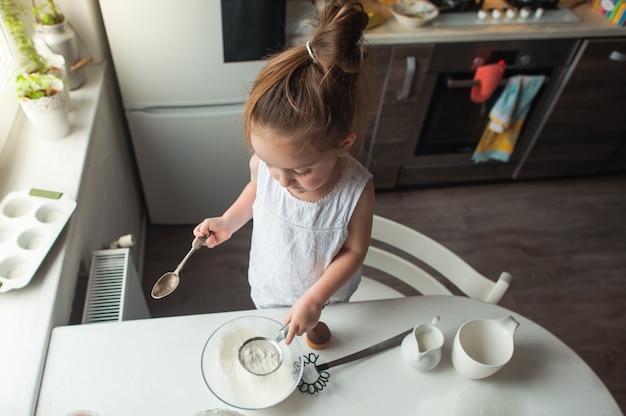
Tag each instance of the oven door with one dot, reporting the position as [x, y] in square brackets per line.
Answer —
[454, 123]
[449, 125]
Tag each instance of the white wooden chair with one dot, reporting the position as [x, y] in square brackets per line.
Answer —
[429, 252]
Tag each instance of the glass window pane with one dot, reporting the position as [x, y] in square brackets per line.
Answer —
[8, 103]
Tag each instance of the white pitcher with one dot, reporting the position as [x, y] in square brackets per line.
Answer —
[422, 347]
[62, 40]
[481, 347]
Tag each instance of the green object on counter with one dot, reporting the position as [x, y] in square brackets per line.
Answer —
[45, 194]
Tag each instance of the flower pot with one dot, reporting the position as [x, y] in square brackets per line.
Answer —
[62, 40]
[49, 116]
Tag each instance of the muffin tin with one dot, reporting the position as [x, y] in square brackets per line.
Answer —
[30, 222]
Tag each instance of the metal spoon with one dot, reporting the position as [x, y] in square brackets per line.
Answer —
[169, 281]
[262, 356]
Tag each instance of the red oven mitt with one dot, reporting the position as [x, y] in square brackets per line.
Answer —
[489, 77]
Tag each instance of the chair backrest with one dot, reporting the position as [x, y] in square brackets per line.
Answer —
[433, 254]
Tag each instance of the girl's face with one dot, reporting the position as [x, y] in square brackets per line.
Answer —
[301, 171]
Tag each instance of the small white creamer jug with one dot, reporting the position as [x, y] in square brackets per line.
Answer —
[422, 347]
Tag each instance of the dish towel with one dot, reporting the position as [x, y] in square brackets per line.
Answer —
[506, 118]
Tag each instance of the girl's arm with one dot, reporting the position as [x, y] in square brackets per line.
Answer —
[305, 313]
[235, 217]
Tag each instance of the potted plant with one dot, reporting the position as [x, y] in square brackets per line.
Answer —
[40, 90]
[59, 37]
[47, 13]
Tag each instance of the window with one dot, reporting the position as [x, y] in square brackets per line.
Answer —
[8, 103]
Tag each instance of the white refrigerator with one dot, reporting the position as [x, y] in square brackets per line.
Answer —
[183, 104]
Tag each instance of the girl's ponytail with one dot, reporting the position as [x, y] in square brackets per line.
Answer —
[312, 92]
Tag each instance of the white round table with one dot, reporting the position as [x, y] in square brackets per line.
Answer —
[153, 367]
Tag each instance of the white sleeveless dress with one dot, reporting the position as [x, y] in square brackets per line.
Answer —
[294, 241]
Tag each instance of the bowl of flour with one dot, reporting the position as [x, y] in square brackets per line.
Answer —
[233, 384]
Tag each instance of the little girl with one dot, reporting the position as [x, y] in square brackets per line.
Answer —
[310, 201]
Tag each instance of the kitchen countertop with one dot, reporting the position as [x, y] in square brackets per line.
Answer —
[592, 25]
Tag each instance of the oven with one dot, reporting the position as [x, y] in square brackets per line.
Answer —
[448, 124]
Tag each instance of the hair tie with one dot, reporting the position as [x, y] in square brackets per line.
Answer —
[310, 51]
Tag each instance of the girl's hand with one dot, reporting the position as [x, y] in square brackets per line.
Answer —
[217, 229]
[303, 316]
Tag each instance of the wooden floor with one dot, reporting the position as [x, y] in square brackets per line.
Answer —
[563, 240]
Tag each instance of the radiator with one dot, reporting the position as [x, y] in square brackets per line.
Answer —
[114, 290]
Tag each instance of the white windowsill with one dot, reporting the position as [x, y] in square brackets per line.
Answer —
[29, 314]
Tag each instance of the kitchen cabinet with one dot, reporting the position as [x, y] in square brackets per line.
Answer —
[586, 130]
[375, 72]
[396, 76]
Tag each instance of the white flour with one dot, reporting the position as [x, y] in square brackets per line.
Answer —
[248, 390]
[259, 357]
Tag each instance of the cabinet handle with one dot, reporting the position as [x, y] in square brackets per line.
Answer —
[408, 78]
[617, 56]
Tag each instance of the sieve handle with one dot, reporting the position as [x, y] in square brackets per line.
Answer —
[282, 333]
[374, 349]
